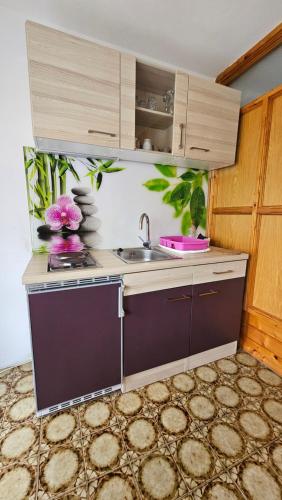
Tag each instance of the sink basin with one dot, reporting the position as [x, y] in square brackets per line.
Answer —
[134, 255]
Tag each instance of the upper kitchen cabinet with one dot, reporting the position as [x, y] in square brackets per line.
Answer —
[154, 108]
[95, 101]
[74, 86]
[212, 121]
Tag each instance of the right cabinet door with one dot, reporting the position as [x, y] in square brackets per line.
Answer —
[212, 121]
[216, 314]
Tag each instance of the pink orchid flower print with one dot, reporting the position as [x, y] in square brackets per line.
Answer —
[63, 213]
[64, 245]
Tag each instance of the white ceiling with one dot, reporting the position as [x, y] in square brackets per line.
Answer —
[202, 36]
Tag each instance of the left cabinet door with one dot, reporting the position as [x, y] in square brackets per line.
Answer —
[76, 341]
[156, 328]
[74, 87]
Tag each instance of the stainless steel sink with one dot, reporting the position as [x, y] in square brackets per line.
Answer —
[134, 255]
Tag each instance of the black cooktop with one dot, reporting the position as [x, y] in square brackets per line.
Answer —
[71, 260]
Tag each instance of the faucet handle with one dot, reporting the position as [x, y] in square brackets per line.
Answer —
[146, 244]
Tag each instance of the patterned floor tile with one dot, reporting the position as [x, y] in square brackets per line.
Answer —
[158, 393]
[96, 415]
[8, 375]
[183, 384]
[61, 469]
[22, 385]
[20, 410]
[131, 404]
[207, 374]
[246, 360]
[19, 443]
[174, 421]
[212, 432]
[256, 479]
[158, 476]
[256, 427]
[227, 367]
[272, 456]
[220, 488]
[226, 438]
[18, 481]
[268, 377]
[61, 428]
[79, 493]
[118, 485]
[104, 452]
[5, 388]
[195, 459]
[141, 435]
[272, 409]
[202, 408]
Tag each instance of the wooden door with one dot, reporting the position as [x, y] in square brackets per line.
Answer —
[245, 214]
[76, 341]
[216, 314]
[156, 328]
[212, 121]
[180, 114]
[74, 86]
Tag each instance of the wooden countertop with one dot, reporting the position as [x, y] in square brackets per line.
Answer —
[36, 270]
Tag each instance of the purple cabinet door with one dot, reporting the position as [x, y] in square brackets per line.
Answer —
[156, 328]
[216, 314]
[76, 340]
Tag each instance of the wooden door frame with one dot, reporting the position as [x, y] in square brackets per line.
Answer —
[263, 47]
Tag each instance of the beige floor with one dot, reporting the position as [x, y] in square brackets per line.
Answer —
[214, 432]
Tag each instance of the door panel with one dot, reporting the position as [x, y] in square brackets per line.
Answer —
[236, 186]
[156, 328]
[273, 179]
[75, 87]
[268, 278]
[216, 315]
[76, 338]
[212, 121]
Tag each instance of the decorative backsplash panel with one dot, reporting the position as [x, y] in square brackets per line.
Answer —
[89, 202]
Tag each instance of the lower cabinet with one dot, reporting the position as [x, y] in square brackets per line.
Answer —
[216, 314]
[156, 328]
[167, 325]
[76, 341]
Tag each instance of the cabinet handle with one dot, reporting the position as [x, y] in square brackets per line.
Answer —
[177, 299]
[200, 149]
[223, 272]
[211, 292]
[91, 131]
[181, 125]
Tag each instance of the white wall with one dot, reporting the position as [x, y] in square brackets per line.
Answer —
[15, 130]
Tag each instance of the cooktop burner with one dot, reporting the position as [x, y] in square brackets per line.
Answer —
[71, 260]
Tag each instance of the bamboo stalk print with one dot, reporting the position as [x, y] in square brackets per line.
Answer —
[53, 167]
[27, 163]
[47, 177]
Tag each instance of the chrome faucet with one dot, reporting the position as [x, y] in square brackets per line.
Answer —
[147, 242]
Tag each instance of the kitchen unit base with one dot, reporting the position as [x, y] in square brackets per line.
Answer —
[77, 401]
[75, 327]
[168, 370]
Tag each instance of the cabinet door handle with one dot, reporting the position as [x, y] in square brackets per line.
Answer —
[211, 292]
[177, 299]
[92, 131]
[181, 125]
[223, 272]
[200, 149]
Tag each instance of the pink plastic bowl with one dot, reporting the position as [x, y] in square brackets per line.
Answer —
[184, 243]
